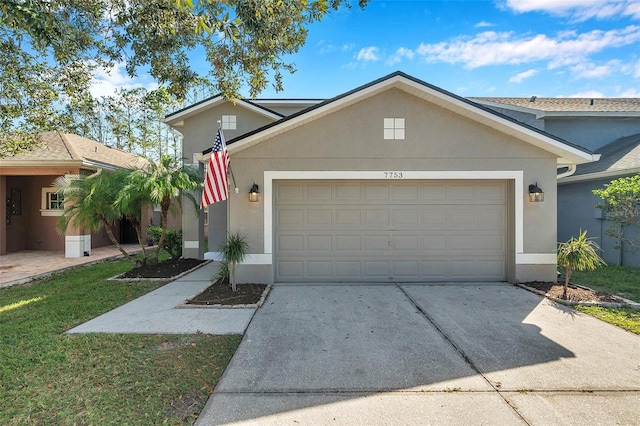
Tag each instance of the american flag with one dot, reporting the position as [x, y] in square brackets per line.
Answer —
[215, 179]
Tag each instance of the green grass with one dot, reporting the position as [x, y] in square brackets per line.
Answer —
[49, 378]
[629, 319]
[617, 280]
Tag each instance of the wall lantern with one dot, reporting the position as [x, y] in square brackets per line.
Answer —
[254, 193]
[535, 193]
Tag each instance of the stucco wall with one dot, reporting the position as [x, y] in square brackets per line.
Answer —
[592, 133]
[577, 211]
[436, 139]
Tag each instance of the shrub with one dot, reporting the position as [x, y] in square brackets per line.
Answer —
[172, 242]
[578, 254]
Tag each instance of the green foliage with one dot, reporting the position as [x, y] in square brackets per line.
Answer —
[172, 242]
[222, 274]
[234, 251]
[578, 254]
[621, 281]
[621, 206]
[48, 377]
[629, 319]
[50, 51]
[162, 182]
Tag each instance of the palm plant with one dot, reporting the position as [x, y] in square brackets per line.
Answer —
[90, 203]
[161, 183]
[233, 252]
[578, 254]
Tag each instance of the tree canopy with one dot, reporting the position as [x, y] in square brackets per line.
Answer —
[50, 51]
[622, 207]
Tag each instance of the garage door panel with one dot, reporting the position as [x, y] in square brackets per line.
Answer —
[318, 217]
[348, 243]
[320, 269]
[408, 231]
[319, 243]
[348, 217]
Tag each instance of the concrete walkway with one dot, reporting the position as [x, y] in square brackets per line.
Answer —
[486, 353]
[158, 312]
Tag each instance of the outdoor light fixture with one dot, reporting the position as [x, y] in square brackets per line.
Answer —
[254, 193]
[535, 193]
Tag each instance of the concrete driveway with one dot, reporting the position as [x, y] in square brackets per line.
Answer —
[482, 353]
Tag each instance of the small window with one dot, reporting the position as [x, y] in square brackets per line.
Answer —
[394, 128]
[228, 122]
[52, 202]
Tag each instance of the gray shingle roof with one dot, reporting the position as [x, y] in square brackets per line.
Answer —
[620, 155]
[56, 147]
[570, 104]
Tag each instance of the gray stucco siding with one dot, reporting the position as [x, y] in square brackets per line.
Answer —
[436, 140]
[592, 132]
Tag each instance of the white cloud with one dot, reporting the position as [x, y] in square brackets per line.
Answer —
[580, 10]
[636, 71]
[587, 94]
[106, 82]
[368, 54]
[495, 48]
[589, 70]
[483, 24]
[522, 76]
[630, 93]
[400, 54]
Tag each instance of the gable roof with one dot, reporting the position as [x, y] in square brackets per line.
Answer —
[176, 119]
[67, 149]
[620, 157]
[566, 152]
[563, 107]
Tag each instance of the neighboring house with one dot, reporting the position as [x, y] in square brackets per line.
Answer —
[608, 126]
[33, 206]
[394, 181]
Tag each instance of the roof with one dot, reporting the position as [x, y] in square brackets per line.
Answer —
[567, 106]
[69, 149]
[620, 157]
[176, 118]
[566, 152]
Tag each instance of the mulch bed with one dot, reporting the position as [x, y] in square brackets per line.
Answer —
[220, 293]
[574, 293]
[165, 269]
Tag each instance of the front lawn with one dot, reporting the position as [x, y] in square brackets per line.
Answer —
[617, 280]
[47, 377]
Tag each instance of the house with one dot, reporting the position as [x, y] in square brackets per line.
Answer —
[608, 126]
[33, 206]
[394, 181]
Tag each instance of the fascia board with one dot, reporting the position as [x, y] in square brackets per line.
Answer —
[177, 118]
[596, 114]
[40, 163]
[598, 175]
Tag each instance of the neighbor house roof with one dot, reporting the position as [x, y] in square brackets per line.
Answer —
[620, 157]
[176, 119]
[66, 149]
[550, 107]
[566, 152]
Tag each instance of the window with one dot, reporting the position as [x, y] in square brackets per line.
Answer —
[228, 122]
[394, 128]
[52, 202]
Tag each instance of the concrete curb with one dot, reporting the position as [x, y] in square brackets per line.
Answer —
[263, 298]
[624, 303]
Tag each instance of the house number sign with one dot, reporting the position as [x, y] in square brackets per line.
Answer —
[393, 175]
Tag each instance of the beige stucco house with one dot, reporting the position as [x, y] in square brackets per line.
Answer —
[32, 206]
[394, 181]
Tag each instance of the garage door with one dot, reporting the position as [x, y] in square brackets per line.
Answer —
[389, 231]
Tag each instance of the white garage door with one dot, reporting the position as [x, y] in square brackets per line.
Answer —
[390, 231]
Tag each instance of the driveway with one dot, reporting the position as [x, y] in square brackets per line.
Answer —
[481, 353]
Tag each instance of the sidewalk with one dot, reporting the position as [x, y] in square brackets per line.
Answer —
[28, 265]
[157, 312]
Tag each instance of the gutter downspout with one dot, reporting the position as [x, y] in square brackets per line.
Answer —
[570, 170]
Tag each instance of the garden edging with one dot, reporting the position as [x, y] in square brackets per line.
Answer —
[624, 303]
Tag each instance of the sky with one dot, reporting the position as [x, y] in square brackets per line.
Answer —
[496, 48]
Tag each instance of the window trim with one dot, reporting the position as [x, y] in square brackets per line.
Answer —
[44, 205]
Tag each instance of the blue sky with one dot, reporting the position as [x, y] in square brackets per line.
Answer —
[520, 48]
